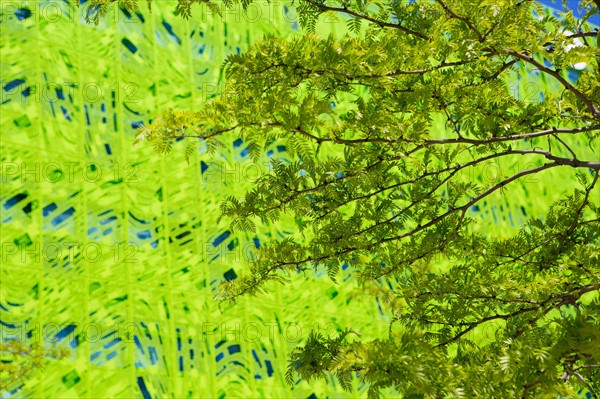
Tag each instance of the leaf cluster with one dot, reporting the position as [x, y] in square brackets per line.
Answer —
[19, 360]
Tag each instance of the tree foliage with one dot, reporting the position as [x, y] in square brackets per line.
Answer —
[19, 360]
[373, 185]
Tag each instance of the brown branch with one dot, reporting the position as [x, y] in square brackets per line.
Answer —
[564, 298]
[463, 19]
[544, 307]
[463, 208]
[587, 384]
[206, 137]
[481, 297]
[345, 10]
[453, 169]
[456, 169]
[562, 161]
[431, 222]
[583, 204]
[516, 136]
[502, 69]
[462, 140]
[320, 186]
[583, 34]
[590, 105]
[495, 25]
[474, 324]
[427, 143]
[588, 366]
[443, 64]
[528, 387]
[566, 146]
[473, 201]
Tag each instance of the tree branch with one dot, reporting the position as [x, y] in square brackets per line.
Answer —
[590, 105]
[347, 11]
[463, 19]
[515, 137]
[474, 200]
[426, 225]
